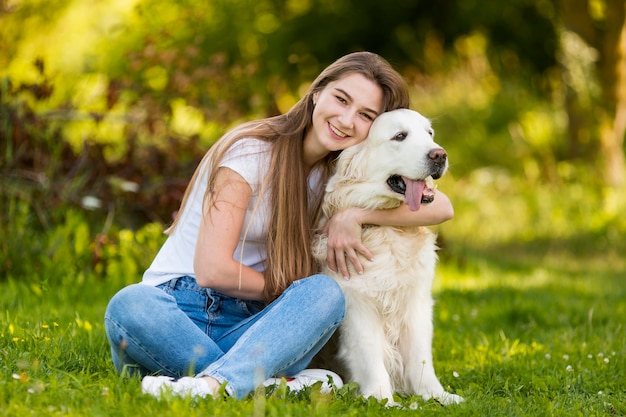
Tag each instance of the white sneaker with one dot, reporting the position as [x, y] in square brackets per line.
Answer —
[158, 386]
[307, 378]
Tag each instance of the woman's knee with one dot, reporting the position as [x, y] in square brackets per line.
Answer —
[325, 289]
[135, 302]
[326, 285]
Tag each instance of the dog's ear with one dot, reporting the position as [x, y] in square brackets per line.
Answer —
[350, 164]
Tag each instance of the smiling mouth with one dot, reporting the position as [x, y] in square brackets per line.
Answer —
[337, 131]
[416, 192]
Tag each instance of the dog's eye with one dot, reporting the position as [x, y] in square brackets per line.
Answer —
[431, 132]
[400, 136]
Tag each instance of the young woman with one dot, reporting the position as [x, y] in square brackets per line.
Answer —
[233, 297]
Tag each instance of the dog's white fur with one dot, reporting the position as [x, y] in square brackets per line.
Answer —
[386, 336]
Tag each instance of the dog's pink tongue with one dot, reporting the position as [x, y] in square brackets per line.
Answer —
[414, 191]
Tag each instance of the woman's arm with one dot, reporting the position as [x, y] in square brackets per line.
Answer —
[439, 211]
[344, 228]
[218, 237]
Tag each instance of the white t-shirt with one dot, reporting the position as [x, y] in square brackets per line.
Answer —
[250, 158]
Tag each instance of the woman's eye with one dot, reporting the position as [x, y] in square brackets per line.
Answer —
[367, 116]
[341, 99]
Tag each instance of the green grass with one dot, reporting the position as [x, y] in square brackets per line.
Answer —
[527, 324]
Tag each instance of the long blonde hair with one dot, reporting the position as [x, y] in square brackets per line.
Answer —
[291, 223]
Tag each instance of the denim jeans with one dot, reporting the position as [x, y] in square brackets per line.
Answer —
[179, 328]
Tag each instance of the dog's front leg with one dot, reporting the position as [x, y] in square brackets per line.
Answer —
[362, 349]
[416, 346]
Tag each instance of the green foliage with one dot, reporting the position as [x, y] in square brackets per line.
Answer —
[121, 130]
[70, 251]
[124, 257]
[170, 72]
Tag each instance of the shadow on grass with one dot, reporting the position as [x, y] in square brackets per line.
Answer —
[576, 283]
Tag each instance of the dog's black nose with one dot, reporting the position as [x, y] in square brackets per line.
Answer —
[438, 156]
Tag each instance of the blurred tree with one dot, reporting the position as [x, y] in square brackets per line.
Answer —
[180, 68]
[595, 31]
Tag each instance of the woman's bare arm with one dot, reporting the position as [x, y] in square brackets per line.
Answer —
[218, 238]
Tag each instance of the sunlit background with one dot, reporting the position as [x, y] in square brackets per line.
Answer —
[107, 106]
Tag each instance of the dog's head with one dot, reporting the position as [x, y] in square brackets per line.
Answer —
[397, 159]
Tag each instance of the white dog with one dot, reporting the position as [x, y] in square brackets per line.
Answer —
[385, 339]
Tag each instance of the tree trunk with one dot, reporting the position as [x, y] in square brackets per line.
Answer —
[612, 71]
[607, 118]
[576, 19]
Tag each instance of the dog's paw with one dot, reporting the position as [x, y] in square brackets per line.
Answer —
[447, 398]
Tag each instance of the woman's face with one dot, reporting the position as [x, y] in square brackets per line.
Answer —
[344, 111]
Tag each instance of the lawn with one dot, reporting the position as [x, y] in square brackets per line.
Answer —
[530, 314]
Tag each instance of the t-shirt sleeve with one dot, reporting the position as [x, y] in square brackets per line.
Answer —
[249, 158]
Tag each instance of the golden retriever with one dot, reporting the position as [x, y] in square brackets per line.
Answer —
[385, 339]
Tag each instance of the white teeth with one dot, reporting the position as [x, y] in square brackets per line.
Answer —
[430, 182]
[337, 132]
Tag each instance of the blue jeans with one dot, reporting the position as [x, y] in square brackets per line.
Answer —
[179, 328]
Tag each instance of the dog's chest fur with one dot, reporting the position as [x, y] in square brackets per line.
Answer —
[403, 266]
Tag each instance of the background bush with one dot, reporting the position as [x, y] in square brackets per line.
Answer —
[106, 109]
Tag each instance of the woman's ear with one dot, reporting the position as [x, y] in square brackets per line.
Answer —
[315, 96]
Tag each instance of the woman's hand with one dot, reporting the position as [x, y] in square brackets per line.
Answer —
[344, 241]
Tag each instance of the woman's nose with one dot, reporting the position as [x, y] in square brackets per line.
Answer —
[346, 119]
